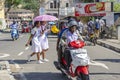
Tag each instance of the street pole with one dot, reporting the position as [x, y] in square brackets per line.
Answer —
[58, 13]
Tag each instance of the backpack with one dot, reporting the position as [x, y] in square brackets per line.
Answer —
[97, 25]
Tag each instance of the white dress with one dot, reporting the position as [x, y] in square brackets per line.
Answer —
[35, 42]
[43, 40]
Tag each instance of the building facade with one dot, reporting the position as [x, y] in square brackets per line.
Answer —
[2, 9]
[53, 7]
[2, 15]
[20, 15]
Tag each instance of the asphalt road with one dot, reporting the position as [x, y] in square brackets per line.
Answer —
[104, 65]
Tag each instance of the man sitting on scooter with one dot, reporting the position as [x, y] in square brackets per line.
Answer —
[66, 36]
[14, 25]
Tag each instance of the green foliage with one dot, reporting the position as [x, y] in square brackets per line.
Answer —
[0, 22]
[12, 3]
[31, 4]
[116, 7]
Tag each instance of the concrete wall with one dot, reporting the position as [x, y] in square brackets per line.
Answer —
[2, 15]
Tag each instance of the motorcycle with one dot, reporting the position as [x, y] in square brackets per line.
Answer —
[14, 34]
[25, 28]
[74, 60]
[93, 39]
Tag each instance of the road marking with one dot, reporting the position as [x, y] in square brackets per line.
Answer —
[20, 53]
[26, 48]
[98, 64]
[21, 36]
[4, 55]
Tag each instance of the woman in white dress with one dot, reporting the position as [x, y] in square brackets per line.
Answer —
[36, 48]
[43, 40]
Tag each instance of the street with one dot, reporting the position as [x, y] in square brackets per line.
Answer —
[104, 65]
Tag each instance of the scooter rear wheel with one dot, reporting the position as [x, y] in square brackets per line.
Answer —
[82, 76]
[82, 73]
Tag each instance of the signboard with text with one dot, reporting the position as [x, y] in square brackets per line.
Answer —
[90, 9]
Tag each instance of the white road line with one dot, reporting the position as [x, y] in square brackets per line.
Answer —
[98, 64]
[4, 55]
[26, 48]
[23, 51]
[21, 36]
[20, 53]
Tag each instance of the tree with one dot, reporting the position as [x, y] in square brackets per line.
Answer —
[33, 5]
[11, 4]
[116, 7]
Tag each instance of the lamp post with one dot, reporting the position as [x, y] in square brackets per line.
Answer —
[58, 1]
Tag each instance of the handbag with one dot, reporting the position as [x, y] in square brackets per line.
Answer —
[30, 43]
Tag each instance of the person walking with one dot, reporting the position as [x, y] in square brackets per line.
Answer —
[43, 39]
[36, 48]
[80, 26]
[97, 28]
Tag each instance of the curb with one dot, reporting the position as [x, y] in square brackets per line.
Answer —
[108, 46]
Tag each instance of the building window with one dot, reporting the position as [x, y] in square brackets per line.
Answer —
[67, 4]
[55, 6]
[51, 5]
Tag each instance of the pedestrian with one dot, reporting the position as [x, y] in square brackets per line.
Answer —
[80, 26]
[97, 27]
[36, 48]
[43, 39]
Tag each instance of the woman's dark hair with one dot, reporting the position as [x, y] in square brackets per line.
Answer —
[35, 23]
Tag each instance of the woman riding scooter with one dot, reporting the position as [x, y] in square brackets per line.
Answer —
[68, 53]
[71, 35]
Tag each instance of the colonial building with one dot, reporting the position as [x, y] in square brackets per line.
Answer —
[19, 15]
[55, 7]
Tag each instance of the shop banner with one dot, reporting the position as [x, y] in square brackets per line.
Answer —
[89, 8]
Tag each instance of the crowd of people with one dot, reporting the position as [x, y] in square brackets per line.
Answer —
[40, 30]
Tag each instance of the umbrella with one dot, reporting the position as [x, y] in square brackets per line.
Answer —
[45, 18]
[51, 22]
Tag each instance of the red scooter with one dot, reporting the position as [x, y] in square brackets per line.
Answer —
[73, 60]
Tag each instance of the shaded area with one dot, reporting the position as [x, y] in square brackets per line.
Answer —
[104, 73]
[42, 76]
[20, 61]
[108, 60]
[6, 40]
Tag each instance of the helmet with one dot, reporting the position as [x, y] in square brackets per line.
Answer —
[72, 23]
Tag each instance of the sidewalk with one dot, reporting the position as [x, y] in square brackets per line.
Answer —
[112, 44]
[5, 71]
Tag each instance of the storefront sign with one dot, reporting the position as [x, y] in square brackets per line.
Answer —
[89, 9]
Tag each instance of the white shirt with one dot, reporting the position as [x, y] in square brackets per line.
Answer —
[80, 25]
[71, 36]
[35, 32]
